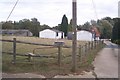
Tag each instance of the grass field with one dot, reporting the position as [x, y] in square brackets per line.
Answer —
[26, 48]
[46, 66]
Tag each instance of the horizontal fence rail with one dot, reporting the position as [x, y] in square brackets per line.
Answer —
[14, 41]
[23, 42]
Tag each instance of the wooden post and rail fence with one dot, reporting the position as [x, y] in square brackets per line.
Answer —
[83, 49]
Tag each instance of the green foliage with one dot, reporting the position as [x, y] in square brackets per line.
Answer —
[70, 26]
[57, 27]
[35, 27]
[86, 26]
[116, 31]
[117, 41]
[64, 25]
[32, 25]
[110, 20]
[44, 26]
[104, 26]
[105, 29]
[93, 22]
[8, 25]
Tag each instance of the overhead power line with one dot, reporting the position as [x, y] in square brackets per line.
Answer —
[12, 10]
[94, 6]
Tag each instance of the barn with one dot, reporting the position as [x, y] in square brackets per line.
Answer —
[53, 34]
[19, 32]
[82, 35]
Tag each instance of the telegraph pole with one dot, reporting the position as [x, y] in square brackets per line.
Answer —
[74, 41]
[119, 9]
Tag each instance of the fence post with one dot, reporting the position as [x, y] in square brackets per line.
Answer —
[95, 44]
[98, 43]
[80, 52]
[59, 55]
[14, 50]
[88, 46]
[85, 47]
[59, 45]
[102, 41]
[92, 45]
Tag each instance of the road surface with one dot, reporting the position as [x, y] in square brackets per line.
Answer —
[106, 62]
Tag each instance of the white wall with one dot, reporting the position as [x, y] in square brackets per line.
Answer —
[84, 36]
[97, 38]
[47, 33]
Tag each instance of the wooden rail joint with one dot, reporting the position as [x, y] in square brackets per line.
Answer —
[30, 56]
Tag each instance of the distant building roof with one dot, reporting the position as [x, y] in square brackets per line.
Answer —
[56, 30]
[15, 32]
[96, 31]
[53, 30]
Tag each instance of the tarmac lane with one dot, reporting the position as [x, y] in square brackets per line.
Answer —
[106, 62]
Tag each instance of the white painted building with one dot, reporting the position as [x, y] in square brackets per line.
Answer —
[84, 35]
[53, 34]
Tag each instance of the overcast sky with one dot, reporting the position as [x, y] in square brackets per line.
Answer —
[50, 12]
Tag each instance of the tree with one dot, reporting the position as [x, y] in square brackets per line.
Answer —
[35, 28]
[116, 31]
[109, 19]
[32, 25]
[70, 26]
[79, 27]
[8, 25]
[25, 24]
[93, 22]
[57, 27]
[44, 27]
[64, 25]
[86, 26]
[16, 25]
[105, 29]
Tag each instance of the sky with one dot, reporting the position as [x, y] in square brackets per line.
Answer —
[50, 12]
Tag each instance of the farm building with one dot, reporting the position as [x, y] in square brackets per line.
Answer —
[53, 34]
[83, 35]
[97, 33]
[16, 32]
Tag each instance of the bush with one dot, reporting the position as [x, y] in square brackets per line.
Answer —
[117, 41]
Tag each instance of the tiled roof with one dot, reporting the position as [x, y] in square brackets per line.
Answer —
[96, 31]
